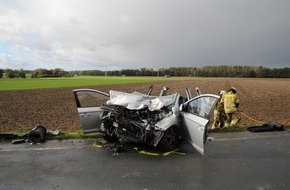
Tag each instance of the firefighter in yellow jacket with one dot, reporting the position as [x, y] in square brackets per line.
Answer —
[219, 112]
[231, 103]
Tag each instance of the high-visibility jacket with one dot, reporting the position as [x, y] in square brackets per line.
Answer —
[230, 102]
[219, 107]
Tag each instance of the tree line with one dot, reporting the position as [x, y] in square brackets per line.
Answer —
[207, 71]
[37, 73]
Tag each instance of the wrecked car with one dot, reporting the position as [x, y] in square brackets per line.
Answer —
[159, 121]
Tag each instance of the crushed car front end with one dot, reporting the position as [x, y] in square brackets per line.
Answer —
[159, 121]
[147, 119]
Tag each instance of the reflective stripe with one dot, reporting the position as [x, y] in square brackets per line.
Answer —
[163, 154]
[97, 145]
[149, 153]
[167, 153]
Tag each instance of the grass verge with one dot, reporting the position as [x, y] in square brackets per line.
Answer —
[241, 128]
[8, 136]
[73, 135]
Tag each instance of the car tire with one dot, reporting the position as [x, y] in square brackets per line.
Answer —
[170, 139]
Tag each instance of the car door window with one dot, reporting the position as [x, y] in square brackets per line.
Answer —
[91, 99]
[201, 106]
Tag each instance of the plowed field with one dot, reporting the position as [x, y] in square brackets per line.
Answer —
[261, 99]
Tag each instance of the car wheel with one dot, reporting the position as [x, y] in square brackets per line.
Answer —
[170, 139]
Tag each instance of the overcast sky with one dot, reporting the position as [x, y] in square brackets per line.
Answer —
[134, 34]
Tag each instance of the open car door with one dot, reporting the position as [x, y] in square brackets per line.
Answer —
[88, 103]
[195, 118]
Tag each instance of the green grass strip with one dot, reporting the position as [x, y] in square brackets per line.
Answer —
[39, 83]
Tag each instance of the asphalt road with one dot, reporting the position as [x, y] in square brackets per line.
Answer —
[232, 161]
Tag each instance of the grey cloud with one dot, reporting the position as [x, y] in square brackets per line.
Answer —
[133, 34]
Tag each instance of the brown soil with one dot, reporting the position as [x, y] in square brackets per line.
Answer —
[261, 99]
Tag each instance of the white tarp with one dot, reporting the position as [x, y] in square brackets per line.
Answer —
[135, 101]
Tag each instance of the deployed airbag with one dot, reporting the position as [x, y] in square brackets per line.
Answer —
[138, 101]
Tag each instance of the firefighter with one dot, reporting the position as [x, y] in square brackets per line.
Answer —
[231, 103]
[219, 112]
